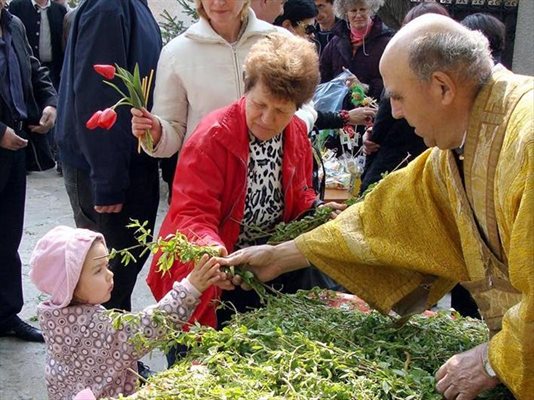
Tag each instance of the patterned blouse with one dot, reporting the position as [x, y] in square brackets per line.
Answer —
[84, 350]
[264, 201]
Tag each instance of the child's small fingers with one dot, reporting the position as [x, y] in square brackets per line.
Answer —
[202, 262]
[213, 269]
[214, 279]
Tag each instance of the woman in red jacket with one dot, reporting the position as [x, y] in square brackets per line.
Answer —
[246, 166]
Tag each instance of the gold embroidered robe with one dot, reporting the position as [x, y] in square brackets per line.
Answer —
[420, 231]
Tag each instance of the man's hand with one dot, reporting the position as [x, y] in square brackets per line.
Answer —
[258, 259]
[47, 121]
[12, 141]
[336, 207]
[463, 376]
[114, 208]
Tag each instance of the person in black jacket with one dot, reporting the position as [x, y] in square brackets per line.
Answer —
[27, 102]
[107, 180]
[391, 140]
[43, 20]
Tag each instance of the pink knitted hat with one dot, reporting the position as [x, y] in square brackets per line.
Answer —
[57, 260]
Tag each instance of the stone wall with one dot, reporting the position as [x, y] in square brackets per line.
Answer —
[524, 45]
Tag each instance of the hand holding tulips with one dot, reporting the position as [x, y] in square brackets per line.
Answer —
[138, 92]
[143, 121]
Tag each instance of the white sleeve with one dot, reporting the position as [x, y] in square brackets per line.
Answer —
[170, 104]
[308, 114]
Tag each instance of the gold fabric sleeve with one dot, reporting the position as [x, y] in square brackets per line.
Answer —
[511, 351]
[387, 246]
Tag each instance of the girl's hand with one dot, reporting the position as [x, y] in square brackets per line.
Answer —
[143, 121]
[206, 273]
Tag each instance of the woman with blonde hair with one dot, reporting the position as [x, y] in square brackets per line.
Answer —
[200, 71]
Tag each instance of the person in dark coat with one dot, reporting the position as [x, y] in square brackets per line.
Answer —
[107, 180]
[326, 20]
[358, 43]
[391, 140]
[396, 144]
[43, 20]
[27, 103]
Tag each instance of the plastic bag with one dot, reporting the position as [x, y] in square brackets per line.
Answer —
[329, 95]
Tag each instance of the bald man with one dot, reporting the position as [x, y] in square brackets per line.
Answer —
[267, 10]
[461, 212]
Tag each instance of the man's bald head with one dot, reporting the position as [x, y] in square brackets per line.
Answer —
[267, 10]
[433, 43]
[433, 69]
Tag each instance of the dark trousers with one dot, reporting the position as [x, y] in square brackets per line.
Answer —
[12, 199]
[462, 302]
[142, 199]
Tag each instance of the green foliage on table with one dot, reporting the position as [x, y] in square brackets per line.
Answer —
[298, 348]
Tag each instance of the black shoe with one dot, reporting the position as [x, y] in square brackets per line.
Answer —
[144, 370]
[22, 330]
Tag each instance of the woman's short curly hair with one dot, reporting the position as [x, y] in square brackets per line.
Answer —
[202, 13]
[342, 6]
[288, 66]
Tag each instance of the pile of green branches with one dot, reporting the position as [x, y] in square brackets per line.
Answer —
[298, 348]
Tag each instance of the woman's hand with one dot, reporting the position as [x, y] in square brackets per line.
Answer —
[361, 115]
[336, 207]
[206, 273]
[353, 80]
[143, 121]
[369, 147]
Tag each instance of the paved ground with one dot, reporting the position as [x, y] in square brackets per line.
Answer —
[21, 363]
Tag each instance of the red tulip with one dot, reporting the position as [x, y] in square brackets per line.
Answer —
[107, 71]
[107, 118]
[93, 122]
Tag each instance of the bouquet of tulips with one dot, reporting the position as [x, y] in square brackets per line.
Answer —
[138, 92]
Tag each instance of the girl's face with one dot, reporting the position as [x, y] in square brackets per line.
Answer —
[96, 280]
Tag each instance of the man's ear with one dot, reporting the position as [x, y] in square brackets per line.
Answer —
[444, 87]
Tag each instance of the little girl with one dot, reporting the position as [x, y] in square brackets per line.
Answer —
[83, 349]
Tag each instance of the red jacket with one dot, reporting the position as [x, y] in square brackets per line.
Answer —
[209, 188]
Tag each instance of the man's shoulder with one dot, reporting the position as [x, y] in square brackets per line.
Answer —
[57, 8]
[19, 3]
[16, 7]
